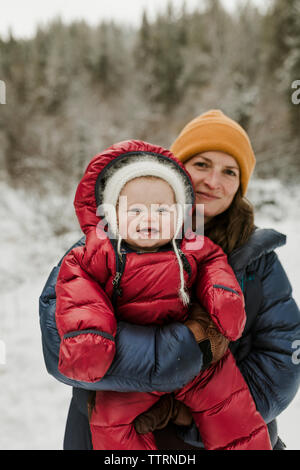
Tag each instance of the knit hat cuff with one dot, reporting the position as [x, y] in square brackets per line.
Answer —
[142, 167]
[149, 166]
[216, 132]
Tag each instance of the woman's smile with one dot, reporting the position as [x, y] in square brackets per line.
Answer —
[206, 196]
[216, 179]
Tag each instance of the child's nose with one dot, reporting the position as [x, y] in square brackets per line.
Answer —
[149, 216]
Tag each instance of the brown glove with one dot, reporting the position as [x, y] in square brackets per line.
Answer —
[167, 408]
[202, 326]
[91, 403]
[158, 416]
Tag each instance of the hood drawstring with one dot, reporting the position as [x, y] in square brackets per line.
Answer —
[179, 255]
[182, 291]
[119, 246]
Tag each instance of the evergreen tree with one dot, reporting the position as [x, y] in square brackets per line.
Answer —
[283, 42]
[158, 55]
[292, 67]
[74, 89]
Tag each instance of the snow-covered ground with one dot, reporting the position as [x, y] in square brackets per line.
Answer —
[34, 406]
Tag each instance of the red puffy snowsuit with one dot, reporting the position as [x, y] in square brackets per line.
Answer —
[219, 398]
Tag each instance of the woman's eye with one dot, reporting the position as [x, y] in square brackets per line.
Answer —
[230, 173]
[201, 164]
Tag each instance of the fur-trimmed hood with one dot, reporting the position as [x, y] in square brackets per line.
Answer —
[87, 197]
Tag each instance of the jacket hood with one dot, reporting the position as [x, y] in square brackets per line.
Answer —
[87, 197]
[261, 242]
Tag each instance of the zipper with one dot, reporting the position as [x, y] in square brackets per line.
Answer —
[117, 290]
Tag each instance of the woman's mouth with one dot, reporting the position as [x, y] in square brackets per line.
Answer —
[207, 196]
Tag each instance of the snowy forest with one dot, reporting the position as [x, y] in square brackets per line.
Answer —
[72, 90]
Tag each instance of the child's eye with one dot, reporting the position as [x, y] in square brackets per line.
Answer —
[163, 210]
[135, 211]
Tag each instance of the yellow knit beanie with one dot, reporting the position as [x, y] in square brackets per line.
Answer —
[215, 131]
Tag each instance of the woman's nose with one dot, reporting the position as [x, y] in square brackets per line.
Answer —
[212, 179]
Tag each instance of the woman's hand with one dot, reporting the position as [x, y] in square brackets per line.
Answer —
[202, 327]
[158, 416]
[167, 408]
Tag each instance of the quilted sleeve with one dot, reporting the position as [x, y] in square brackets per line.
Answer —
[272, 368]
[85, 321]
[219, 292]
[171, 356]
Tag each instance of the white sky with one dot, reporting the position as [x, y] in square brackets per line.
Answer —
[22, 16]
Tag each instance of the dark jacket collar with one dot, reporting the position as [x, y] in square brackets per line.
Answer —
[261, 242]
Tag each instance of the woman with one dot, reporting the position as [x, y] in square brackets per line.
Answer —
[218, 155]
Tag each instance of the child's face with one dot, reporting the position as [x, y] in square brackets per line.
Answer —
[146, 213]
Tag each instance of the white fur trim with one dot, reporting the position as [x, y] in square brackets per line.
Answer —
[143, 166]
[148, 166]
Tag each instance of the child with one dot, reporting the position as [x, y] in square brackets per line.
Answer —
[139, 270]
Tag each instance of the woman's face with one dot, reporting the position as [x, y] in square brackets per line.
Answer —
[216, 179]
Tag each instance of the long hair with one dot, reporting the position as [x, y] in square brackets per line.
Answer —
[233, 227]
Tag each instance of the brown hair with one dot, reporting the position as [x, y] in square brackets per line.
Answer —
[233, 227]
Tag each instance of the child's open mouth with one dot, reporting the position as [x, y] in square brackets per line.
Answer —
[148, 232]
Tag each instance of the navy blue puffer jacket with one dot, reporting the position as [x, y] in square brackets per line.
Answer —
[166, 358]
